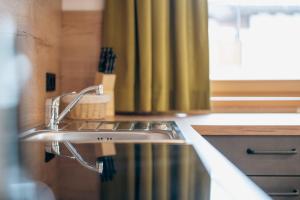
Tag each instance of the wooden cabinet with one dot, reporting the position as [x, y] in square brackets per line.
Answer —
[279, 187]
[273, 162]
[261, 155]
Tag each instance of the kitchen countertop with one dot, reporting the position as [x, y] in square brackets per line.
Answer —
[263, 119]
[251, 119]
[247, 124]
[226, 181]
[234, 124]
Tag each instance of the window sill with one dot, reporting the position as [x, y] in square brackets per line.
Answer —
[251, 99]
[255, 104]
[271, 96]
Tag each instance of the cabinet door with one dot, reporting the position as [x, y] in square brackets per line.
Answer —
[261, 155]
[279, 188]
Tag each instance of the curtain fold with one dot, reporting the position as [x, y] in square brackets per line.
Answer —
[162, 49]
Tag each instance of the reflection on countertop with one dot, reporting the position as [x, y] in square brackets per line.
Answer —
[131, 171]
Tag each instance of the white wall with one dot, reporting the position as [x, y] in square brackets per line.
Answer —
[84, 5]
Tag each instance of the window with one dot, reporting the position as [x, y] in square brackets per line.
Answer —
[255, 55]
[254, 39]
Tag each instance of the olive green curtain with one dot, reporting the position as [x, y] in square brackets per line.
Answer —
[162, 49]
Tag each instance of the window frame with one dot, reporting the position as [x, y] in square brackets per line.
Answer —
[255, 88]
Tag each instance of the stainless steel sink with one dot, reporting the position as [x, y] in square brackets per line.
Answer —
[104, 131]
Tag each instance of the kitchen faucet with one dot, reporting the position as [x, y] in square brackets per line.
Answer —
[53, 148]
[56, 117]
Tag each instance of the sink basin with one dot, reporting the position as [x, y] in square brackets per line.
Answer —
[99, 131]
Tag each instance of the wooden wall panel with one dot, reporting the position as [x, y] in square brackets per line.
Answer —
[38, 36]
[81, 43]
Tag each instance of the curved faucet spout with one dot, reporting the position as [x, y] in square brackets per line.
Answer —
[56, 117]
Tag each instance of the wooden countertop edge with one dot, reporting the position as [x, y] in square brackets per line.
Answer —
[246, 130]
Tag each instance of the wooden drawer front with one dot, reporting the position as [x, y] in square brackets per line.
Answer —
[276, 155]
[279, 188]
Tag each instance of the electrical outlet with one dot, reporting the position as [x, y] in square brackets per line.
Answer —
[50, 82]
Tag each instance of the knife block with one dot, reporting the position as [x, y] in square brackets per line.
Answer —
[108, 82]
[105, 149]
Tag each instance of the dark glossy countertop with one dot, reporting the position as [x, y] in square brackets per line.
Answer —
[130, 171]
[195, 170]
